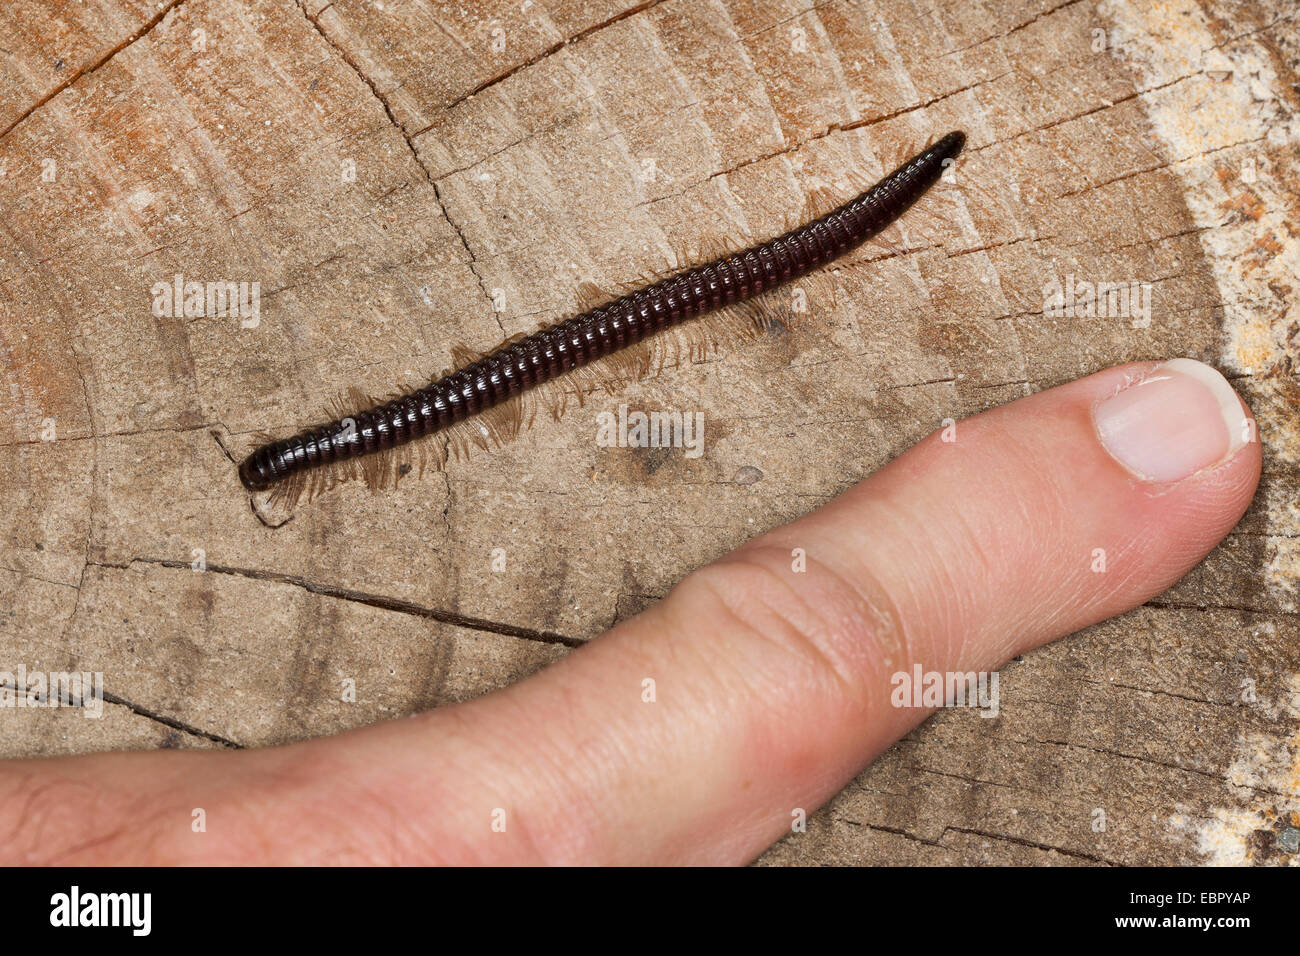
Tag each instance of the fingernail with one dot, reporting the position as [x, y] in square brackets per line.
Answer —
[1182, 417]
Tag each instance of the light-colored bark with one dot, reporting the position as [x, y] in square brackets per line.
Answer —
[403, 176]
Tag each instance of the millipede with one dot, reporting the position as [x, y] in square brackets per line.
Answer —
[488, 389]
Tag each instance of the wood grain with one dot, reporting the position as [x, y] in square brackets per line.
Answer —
[399, 177]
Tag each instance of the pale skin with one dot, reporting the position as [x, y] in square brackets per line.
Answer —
[772, 686]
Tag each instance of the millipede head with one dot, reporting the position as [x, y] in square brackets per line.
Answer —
[260, 470]
[949, 145]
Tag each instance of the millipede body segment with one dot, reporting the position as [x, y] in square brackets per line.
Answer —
[549, 353]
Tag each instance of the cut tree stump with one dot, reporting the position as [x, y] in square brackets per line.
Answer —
[400, 177]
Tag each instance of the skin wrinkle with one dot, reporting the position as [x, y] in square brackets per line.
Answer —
[886, 627]
[751, 605]
[726, 668]
[300, 779]
[688, 715]
[884, 622]
[447, 839]
[368, 810]
[446, 784]
[569, 776]
[958, 638]
[443, 840]
[1054, 599]
[494, 781]
[932, 579]
[575, 774]
[862, 680]
[1221, 481]
[1055, 501]
[781, 708]
[725, 598]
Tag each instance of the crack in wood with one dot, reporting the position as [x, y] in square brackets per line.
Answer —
[143, 31]
[179, 430]
[409, 139]
[1208, 606]
[381, 601]
[1159, 166]
[1016, 29]
[844, 127]
[548, 52]
[1218, 777]
[1021, 841]
[1005, 838]
[1107, 105]
[171, 722]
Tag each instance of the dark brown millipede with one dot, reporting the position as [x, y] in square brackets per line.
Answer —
[557, 349]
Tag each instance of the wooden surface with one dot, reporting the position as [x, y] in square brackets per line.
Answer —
[503, 156]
